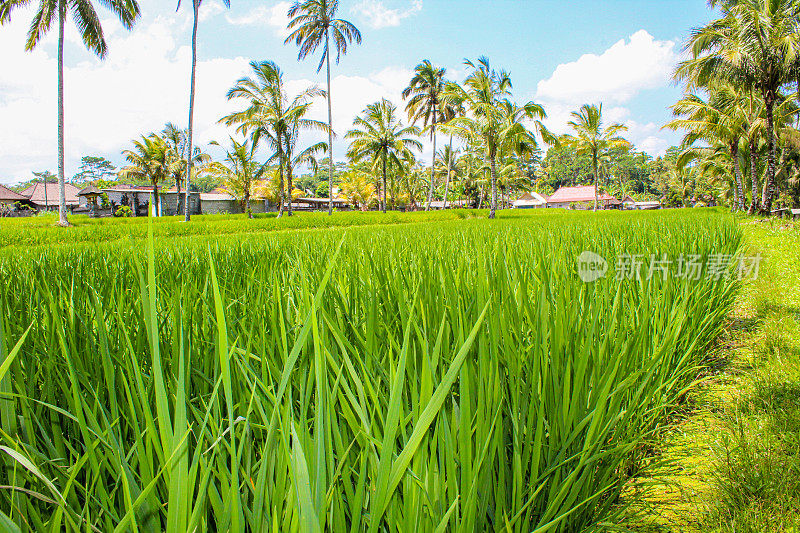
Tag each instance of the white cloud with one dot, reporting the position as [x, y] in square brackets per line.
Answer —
[377, 15]
[273, 16]
[143, 83]
[210, 10]
[617, 75]
[613, 78]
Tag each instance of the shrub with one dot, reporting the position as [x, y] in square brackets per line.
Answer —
[123, 211]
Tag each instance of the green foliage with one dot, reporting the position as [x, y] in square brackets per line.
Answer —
[94, 168]
[123, 211]
[234, 382]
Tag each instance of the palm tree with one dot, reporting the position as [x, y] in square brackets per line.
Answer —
[240, 170]
[518, 142]
[484, 90]
[307, 156]
[177, 140]
[717, 120]
[148, 161]
[313, 24]
[379, 136]
[272, 116]
[190, 129]
[357, 188]
[451, 108]
[88, 22]
[592, 138]
[424, 103]
[755, 44]
[447, 159]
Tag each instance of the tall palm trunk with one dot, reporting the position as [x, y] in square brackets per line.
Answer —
[62, 193]
[493, 207]
[289, 187]
[433, 162]
[754, 204]
[737, 174]
[186, 209]
[330, 124]
[156, 210]
[594, 169]
[178, 198]
[247, 204]
[769, 188]
[449, 168]
[383, 205]
[280, 185]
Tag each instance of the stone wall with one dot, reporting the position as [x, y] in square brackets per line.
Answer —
[169, 202]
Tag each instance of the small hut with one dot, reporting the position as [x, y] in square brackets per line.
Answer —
[91, 193]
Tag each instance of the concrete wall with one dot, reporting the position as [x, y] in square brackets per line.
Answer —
[213, 207]
[169, 203]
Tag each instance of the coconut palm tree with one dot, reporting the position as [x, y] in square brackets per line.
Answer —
[424, 94]
[755, 44]
[88, 22]
[177, 140]
[357, 188]
[271, 115]
[380, 137]
[592, 138]
[307, 156]
[190, 129]
[314, 23]
[718, 119]
[240, 170]
[148, 161]
[482, 94]
[447, 160]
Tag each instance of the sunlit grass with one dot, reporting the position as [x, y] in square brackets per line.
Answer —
[450, 376]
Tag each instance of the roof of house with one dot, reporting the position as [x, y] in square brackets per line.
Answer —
[215, 196]
[47, 193]
[90, 190]
[124, 187]
[530, 198]
[9, 195]
[582, 193]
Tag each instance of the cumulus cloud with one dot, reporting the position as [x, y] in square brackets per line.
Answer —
[143, 83]
[273, 16]
[210, 10]
[614, 78]
[377, 15]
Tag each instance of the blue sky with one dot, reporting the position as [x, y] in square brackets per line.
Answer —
[560, 53]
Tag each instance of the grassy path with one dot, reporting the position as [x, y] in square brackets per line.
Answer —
[733, 462]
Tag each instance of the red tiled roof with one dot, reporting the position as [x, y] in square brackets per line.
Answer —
[47, 193]
[8, 195]
[123, 187]
[583, 193]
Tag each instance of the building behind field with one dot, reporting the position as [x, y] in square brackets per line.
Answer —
[582, 197]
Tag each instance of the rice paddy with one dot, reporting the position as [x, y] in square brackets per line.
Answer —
[435, 375]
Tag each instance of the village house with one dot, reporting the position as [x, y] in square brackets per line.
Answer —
[582, 197]
[12, 203]
[44, 196]
[530, 200]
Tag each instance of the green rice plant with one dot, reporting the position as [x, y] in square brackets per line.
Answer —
[449, 376]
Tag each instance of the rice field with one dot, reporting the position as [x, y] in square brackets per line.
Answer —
[427, 376]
